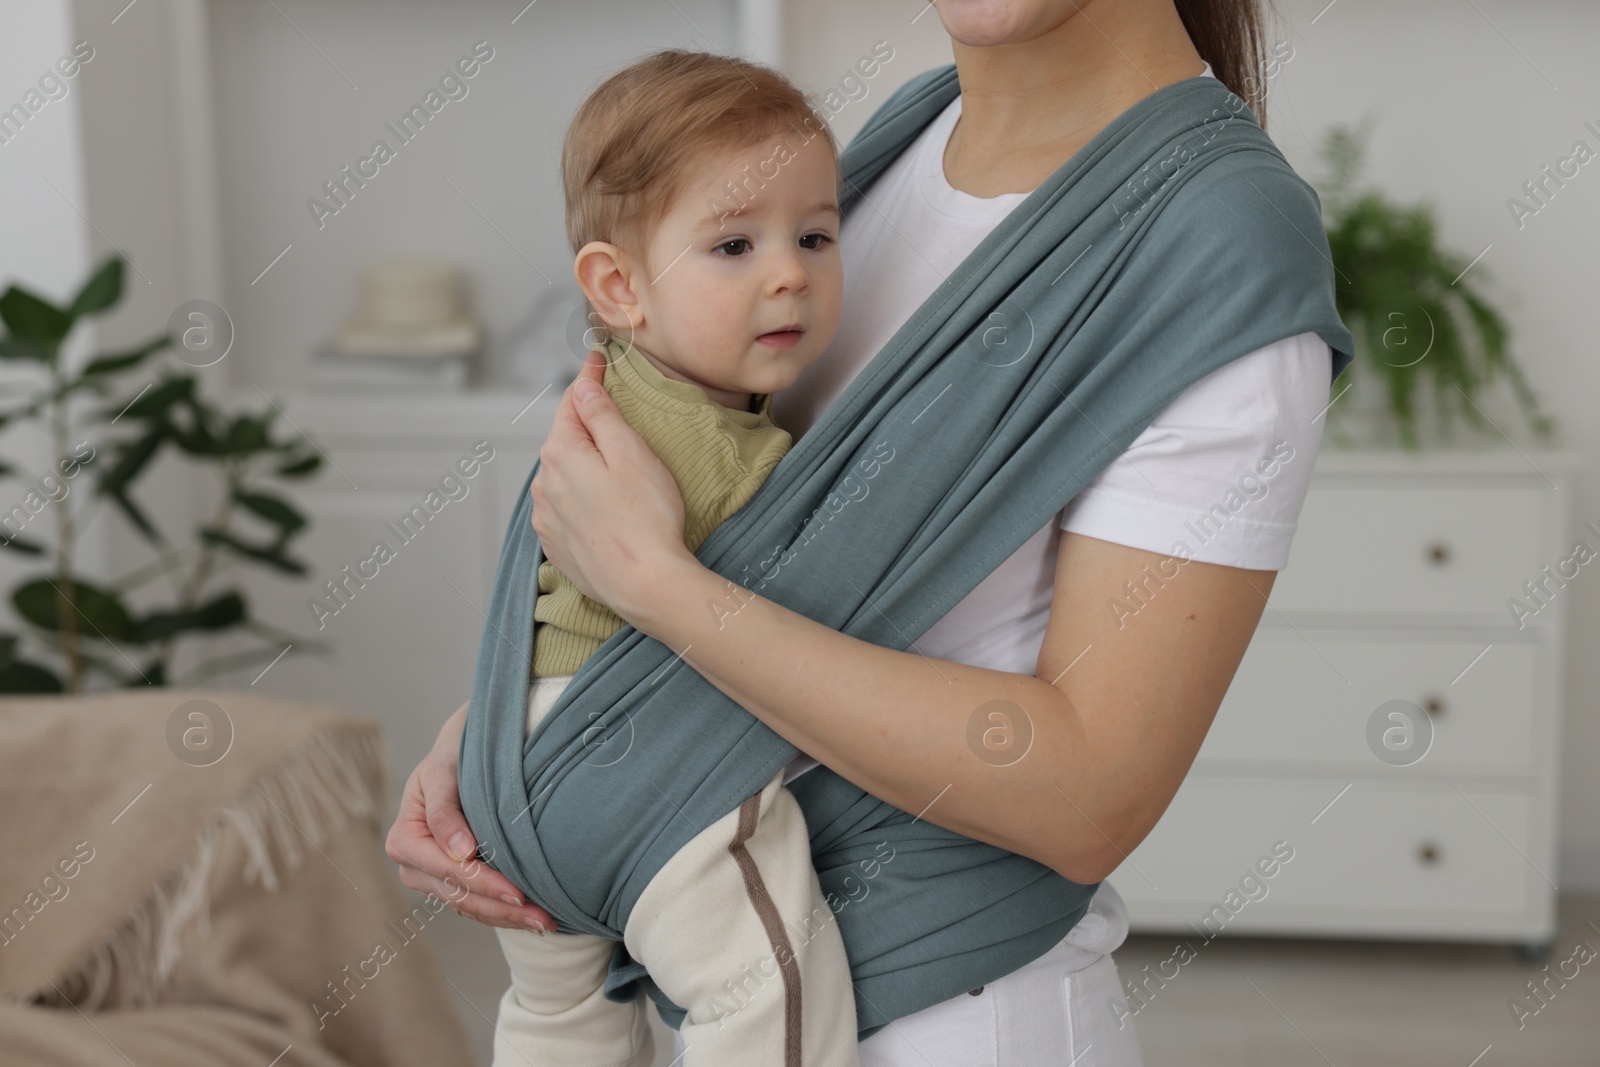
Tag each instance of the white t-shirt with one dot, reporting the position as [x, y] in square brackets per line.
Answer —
[1191, 477]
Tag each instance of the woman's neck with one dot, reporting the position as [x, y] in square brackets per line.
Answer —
[1028, 104]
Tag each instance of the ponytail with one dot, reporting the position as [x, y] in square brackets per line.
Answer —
[1231, 36]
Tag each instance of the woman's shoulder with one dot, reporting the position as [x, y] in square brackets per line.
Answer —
[1247, 194]
[1244, 219]
[1242, 199]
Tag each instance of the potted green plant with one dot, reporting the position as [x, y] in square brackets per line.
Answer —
[1423, 322]
[75, 629]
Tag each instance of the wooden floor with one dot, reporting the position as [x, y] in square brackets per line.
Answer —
[1250, 1002]
[1282, 1003]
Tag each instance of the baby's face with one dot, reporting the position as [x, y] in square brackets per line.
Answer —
[743, 303]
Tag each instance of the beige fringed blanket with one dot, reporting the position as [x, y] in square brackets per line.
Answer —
[196, 877]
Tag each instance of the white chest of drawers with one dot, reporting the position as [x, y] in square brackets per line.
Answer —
[1398, 589]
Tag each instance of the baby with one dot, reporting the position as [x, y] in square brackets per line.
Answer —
[702, 205]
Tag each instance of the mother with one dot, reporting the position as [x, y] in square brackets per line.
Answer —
[1120, 689]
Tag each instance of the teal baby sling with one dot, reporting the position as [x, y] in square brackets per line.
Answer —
[1175, 241]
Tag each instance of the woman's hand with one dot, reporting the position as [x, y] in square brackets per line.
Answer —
[436, 852]
[607, 511]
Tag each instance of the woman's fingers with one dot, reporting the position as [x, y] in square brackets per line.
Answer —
[568, 442]
[434, 848]
[594, 365]
[473, 888]
[477, 908]
[430, 821]
[596, 473]
[568, 438]
[440, 789]
[567, 423]
[601, 419]
[454, 851]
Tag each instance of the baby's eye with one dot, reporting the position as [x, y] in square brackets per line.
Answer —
[730, 244]
[821, 239]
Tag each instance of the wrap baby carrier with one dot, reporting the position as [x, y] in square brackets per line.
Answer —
[1177, 240]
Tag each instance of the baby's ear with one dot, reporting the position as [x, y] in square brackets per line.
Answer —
[605, 274]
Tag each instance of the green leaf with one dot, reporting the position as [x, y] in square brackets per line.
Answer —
[32, 319]
[301, 467]
[248, 433]
[101, 291]
[273, 509]
[217, 614]
[20, 348]
[155, 673]
[18, 545]
[27, 411]
[1405, 296]
[222, 611]
[20, 677]
[124, 360]
[98, 613]
[131, 459]
[269, 555]
[198, 438]
[157, 400]
[136, 516]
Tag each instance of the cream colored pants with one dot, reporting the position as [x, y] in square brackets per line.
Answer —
[1061, 1010]
[734, 928]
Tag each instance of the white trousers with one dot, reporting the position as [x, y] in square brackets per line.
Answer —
[1056, 1010]
[733, 927]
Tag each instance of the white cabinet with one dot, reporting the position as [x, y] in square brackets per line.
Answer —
[401, 643]
[1433, 818]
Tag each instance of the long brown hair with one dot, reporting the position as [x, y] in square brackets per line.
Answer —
[1231, 36]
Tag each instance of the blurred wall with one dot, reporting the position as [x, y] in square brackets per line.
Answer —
[46, 237]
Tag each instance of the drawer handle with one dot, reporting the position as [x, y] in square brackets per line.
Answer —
[1434, 706]
[1428, 854]
[1439, 553]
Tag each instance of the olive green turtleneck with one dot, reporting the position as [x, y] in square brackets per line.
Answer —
[719, 457]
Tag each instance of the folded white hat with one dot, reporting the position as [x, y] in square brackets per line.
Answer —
[410, 308]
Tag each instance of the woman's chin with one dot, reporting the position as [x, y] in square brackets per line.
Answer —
[987, 23]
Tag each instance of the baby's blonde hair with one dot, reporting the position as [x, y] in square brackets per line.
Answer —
[632, 142]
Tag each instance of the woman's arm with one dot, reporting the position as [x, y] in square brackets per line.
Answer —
[1117, 709]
